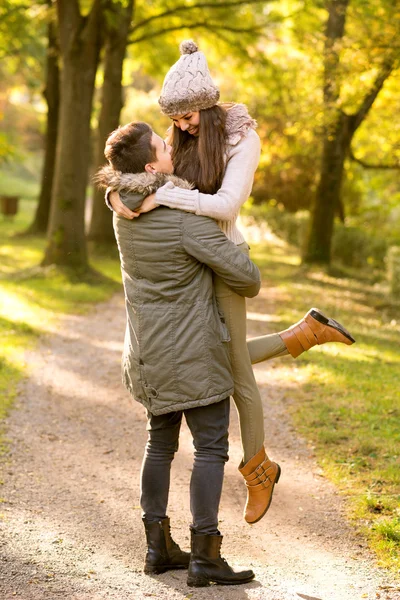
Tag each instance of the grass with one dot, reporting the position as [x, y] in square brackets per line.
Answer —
[32, 298]
[345, 401]
[12, 184]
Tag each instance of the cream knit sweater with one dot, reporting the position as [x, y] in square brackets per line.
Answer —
[243, 154]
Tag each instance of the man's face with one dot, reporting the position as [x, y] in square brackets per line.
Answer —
[163, 162]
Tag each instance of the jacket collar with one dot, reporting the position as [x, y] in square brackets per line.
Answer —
[137, 183]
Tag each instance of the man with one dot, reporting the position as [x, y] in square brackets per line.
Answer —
[176, 358]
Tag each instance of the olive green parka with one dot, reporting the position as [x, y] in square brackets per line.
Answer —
[175, 353]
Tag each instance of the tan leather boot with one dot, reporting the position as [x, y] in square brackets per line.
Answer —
[314, 328]
[260, 474]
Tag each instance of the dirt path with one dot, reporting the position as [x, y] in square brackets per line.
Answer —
[70, 521]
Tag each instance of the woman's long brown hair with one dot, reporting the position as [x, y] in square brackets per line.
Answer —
[201, 159]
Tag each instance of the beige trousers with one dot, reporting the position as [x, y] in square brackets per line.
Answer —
[243, 353]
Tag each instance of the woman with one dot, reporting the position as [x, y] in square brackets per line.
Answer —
[215, 146]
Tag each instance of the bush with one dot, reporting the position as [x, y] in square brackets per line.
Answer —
[393, 269]
[292, 227]
[352, 246]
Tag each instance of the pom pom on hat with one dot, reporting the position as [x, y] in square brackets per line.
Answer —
[188, 47]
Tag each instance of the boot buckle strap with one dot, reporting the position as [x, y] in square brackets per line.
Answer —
[260, 470]
[266, 482]
[259, 482]
[262, 477]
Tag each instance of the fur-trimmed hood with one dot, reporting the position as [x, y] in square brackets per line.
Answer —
[238, 122]
[142, 184]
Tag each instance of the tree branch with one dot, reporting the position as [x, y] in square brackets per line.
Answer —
[202, 24]
[184, 7]
[243, 50]
[371, 166]
[68, 17]
[95, 17]
[334, 33]
[369, 99]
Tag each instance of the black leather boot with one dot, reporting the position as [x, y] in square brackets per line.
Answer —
[162, 552]
[207, 566]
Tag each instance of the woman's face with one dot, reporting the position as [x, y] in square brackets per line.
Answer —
[188, 122]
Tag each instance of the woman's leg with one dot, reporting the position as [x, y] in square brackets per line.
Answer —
[259, 472]
[314, 328]
[266, 347]
[209, 428]
[160, 449]
[246, 395]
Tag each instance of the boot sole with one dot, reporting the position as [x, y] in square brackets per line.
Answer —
[319, 316]
[270, 500]
[205, 582]
[158, 570]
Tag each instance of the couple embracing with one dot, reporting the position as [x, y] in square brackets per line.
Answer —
[186, 273]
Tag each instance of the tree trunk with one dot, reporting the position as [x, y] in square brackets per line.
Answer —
[101, 229]
[335, 142]
[339, 131]
[52, 96]
[80, 41]
[328, 194]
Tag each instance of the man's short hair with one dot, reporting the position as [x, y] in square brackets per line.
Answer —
[129, 148]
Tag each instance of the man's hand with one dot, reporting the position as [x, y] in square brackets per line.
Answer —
[148, 204]
[119, 207]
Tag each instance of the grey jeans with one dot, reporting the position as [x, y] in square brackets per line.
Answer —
[209, 428]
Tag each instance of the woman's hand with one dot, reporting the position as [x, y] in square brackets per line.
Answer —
[148, 204]
[119, 207]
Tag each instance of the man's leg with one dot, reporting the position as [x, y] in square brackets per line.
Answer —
[162, 552]
[162, 443]
[209, 427]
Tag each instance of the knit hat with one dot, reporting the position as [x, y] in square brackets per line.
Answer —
[188, 85]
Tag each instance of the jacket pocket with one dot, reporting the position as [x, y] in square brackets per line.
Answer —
[225, 335]
[223, 329]
[149, 390]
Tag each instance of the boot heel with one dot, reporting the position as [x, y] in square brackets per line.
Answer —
[198, 581]
[279, 474]
[153, 570]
